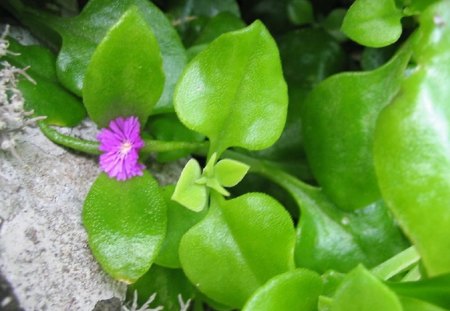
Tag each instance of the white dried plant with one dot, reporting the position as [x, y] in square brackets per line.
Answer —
[144, 307]
[184, 306]
[13, 116]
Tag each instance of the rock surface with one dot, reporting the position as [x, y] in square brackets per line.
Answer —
[43, 249]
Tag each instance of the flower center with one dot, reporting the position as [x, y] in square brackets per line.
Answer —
[125, 147]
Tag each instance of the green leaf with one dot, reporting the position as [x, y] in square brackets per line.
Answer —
[168, 284]
[217, 25]
[188, 192]
[124, 76]
[300, 12]
[167, 127]
[361, 291]
[333, 24]
[373, 23]
[126, 224]
[329, 238]
[82, 34]
[208, 8]
[230, 172]
[294, 290]
[46, 97]
[415, 7]
[237, 247]
[339, 119]
[434, 290]
[179, 221]
[234, 105]
[412, 156]
[411, 304]
[308, 56]
[372, 58]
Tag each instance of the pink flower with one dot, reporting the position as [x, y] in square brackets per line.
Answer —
[121, 143]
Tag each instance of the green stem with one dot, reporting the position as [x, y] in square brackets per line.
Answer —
[413, 274]
[87, 146]
[91, 147]
[298, 189]
[164, 146]
[397, 264]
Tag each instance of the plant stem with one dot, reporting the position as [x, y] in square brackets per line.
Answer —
[298, 189]
[397, 264]
[91, 147]
[87, 146]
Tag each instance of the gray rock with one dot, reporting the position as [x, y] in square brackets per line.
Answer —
[113, 304]
[43, 248]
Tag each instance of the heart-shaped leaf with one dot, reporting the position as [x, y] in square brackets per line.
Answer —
[373, 23]
[230, 172]
[237, 247]
[124, 76]
[294, 290]
[126, 224]
[339, 120]
[188, 192]
[234, 105]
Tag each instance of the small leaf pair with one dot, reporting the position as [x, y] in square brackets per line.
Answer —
[192, 187]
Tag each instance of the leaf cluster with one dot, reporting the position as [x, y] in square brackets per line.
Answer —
[318, 133]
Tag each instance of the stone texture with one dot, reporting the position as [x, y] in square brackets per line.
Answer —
[43, 248]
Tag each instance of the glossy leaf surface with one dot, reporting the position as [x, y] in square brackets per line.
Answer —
[339, 125]
[328, 238]
[412, 156]
[230, 172]
[82, 34]
[125, 75]
[179, 221]
[46, 97]
[126, 224]
[373, 23]
[237, 247]
[233, 105]
[294, 290]
[308, 56]
[172, 51]
[324, 235]
[166, 283]
[361, 291]
[188, 192]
